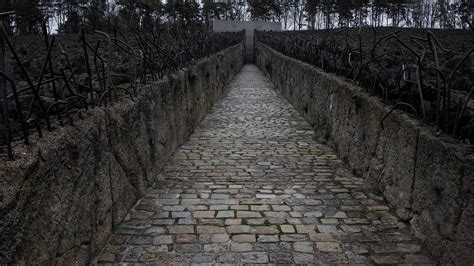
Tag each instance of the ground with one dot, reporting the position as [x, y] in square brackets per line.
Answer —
[252, 186]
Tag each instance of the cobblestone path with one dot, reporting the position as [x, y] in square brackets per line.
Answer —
[251, 186]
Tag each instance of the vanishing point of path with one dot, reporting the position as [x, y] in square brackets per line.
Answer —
[252, 186]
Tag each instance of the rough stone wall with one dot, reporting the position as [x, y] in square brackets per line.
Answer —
[60, 202]
[427, 178]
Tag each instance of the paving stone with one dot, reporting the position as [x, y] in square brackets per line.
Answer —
[294, 221]
[197, 207]
[243, 238]
[248, 214]
[266, 230]
[241, 247]
[303, 258]
[267, 238]
[233, 221]
[276, 214]
[154, 256]
[238, 229]
[187, 202]
[170, 202]
[180, 214]
[287, 229]
[338, 215]
[293, 237]
[354, 258]
[187, 221]
[199, 258]
[330, 221]
[180, 229]
[254, 257]
[185, 238]
[218, 222]
[305, 229]
[229, 258]
[351, 221]
[260, 207]
[141, 240]
[188, 248]
[378, 208]
[328, 246]
[225, 214]
[276, 220]
[216, 248]
[296, 214]
[155, 230]
[315, 214]
[205, 238]
[219, 196]
[281, 208]
[204, 229]
[256, 221]
[163, 222]
[326, 228]
[240, 207]
[162, 240]
[219, 238]
[159, 215]
[266, 196]
[223, 201]
[304, 247]
[281, 258]
[252, 167]
[188, 196]
[218, 207]
[204, 214]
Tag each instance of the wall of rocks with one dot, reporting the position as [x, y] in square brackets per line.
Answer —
[428, 178]
[61, 200]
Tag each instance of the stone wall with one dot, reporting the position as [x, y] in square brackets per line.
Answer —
[427, 178]
[61, 200]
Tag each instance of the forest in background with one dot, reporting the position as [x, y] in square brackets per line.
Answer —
[68, 16]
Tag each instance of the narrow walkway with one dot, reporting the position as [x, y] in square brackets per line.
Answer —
[251, 186]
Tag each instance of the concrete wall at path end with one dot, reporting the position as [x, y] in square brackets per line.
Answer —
[427, 179]
[249, 27]
[60, 202]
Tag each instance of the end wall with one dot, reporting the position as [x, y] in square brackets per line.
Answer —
[428, 180]
[60, 202]
[249, 27]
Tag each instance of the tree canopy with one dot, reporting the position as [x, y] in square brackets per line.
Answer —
[67, 16]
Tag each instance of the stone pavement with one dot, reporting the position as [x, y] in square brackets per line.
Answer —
[252, 186]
